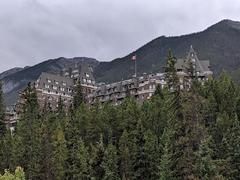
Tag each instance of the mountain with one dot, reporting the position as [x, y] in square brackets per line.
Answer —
[219, 43]
[9, 72]
[15, 82]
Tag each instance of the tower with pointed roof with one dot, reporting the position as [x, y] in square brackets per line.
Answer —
[191, 67]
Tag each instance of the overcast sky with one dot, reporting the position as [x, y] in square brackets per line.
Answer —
[32, 31]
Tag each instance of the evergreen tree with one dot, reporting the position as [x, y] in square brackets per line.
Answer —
[48, 119]
[27, 136]
[6, 146]
[233, 150]
[76, 129]
[83, 171]
[97, 171]
[165, 171]
[188, 133]
[78, 97]
[151, 149]
[159, 92]
[154, 114]
[59, 153]
[110, 163]
[205, 165]
[126, 159]
[2, 114]
[140, 157]
[171, 73]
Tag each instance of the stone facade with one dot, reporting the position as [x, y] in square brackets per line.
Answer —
[11, 117]
[199, 69]
[142, 88]
[51, 87]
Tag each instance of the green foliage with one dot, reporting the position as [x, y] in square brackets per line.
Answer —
[59, 152]
[126, 158]
[177, 134]
[83, 170]
[17, 175]
[171, 72]
[78, 97]
[110, 163]
[2, 113]
[6, 145]
[27, 137]
[97, 171]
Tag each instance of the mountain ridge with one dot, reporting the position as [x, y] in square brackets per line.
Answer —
[218, 43]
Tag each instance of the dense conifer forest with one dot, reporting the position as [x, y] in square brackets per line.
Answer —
[177, 134]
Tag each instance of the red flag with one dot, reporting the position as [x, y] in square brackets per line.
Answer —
[134, 57]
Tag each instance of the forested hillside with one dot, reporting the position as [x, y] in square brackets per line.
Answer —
[177, 134]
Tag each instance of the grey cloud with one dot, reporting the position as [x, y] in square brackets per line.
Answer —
[35, 30]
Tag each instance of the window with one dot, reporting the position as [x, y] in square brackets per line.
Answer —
[84, 80]
[56, 82]
[87, 75]
[64, 83]
[55, 87]
[46, 86]
[62, 89]
[49, 81]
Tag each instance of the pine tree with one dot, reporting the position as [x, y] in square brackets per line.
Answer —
[6, 146]
[2, 113]
[233, 150]
[188, 133]
[171, 73]
[78, 97]
[97, 171]
[159, 92]
[46, 147]
[165, 171]
[76, 129]
[140, 161]
[83, 170]
[27, 136]
[126, 168]
[205, 165]
[110, 163]
[59, 153]
[151, 149]
[154, 114]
